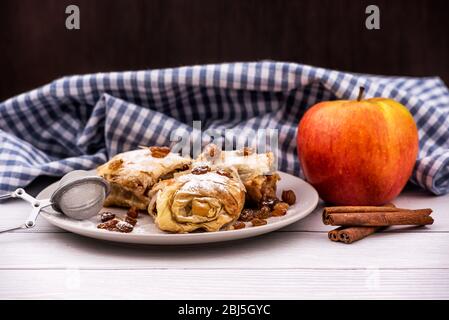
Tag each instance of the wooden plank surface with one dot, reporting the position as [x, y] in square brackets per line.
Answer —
[298, 262]
[225, 284]
[275, 250]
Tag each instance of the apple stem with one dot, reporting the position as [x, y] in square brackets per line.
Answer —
[361, 92]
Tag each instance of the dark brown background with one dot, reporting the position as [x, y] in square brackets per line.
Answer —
[138, 34]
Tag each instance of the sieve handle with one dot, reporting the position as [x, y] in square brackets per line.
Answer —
[36, 204]
[13, 228]
[6, 196]
[19, 193]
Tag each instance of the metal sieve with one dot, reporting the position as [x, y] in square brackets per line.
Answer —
[79, 195]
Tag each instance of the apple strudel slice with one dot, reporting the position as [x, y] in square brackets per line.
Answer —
[255, 170]
[208, 199]
[132, 174]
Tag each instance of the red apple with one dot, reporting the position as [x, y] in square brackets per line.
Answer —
[358, 152]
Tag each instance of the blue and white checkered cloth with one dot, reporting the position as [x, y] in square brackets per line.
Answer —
[78, 122]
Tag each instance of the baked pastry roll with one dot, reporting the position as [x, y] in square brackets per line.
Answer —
[132, 174]
[256, 170]
[204, 199]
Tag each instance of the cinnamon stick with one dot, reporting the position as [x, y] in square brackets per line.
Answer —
[346, 209]
[379, 218]
[352, 234]
[334, 234]
[375, 216]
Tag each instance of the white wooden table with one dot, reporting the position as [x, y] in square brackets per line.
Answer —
[298, 262]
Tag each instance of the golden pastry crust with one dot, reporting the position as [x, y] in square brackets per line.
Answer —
[248, 163]
[210, 201]
[132, 175]
[256, 170]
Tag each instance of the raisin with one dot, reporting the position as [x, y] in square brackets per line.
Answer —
[269, 202]
[212, 152]
[201, 170]
[279, 209]
[225, 173]
[246, 151]
[131, 220]
[263, 213]
[133, 212]
[258, 222]
[289, 197]
[159, 152]
[106, 216]
[109, 225]
[238, 225]
[124, 227]
[247, 215]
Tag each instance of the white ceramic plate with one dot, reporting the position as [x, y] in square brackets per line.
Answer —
[146, 232]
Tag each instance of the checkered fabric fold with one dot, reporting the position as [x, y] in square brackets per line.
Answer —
[77, 122]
